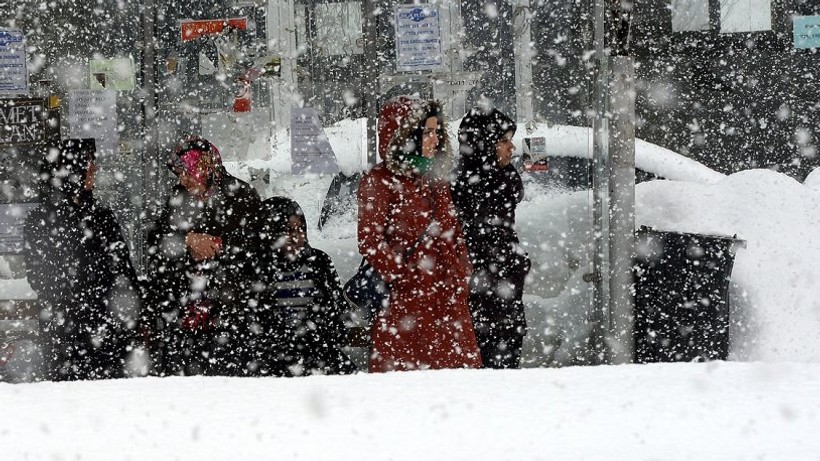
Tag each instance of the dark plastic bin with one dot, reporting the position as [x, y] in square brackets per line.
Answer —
[682, 296]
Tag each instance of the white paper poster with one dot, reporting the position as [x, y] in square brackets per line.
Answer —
[93, 114]
[418, 38]
[310, 149]
[13, 72]
[690, 15]
[745, 15]
[12, 226]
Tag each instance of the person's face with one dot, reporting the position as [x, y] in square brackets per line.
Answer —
[504, 149]
[190, 184]
[294, 241]
[90, 175]
[429, 138]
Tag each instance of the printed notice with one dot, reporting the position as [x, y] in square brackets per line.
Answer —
[310, 150]
[13, 73]
[12, 226]
[418, 38]
[93, 114]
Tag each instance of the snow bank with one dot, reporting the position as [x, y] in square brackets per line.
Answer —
[681, 411]
[776, 278]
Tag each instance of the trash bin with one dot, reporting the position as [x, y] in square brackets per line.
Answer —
[682, 295]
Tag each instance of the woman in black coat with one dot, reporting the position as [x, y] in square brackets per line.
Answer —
[201, 266]
[78, 263]
[486, 190]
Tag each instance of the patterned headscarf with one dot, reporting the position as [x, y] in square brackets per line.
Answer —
[200, 160]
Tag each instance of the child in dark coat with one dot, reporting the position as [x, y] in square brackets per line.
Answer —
[296, 328]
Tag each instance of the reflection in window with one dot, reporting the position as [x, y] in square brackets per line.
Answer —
[745, 15]
[690, 15]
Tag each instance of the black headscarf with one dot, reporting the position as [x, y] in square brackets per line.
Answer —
[278, 211]
[480, 130]
[65, 166]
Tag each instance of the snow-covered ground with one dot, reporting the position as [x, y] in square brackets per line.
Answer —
[714, 411]
[762, 405]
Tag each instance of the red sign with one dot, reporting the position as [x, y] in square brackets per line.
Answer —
[194, 29]
[529, 166]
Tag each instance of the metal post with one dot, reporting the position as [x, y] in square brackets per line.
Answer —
[151, 178]
[612, 319]
[600, 191]
[622, 209]
[281, 30]
[523, 62]
[621, 341]
[370, 76]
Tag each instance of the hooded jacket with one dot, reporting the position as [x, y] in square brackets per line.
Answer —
[486, 196]
[180, 285]
[78, 263]
[427, 323]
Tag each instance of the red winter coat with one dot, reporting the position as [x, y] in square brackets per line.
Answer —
[427, 324]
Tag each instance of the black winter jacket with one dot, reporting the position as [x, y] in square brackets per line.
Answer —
[78, 263]
[297, 327]
[486, 196]
[178, 282]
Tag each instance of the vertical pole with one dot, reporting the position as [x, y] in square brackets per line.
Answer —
[152, 172]
[622, 209]
[523, 62]
[452, 43]
[600, 192]
[281, 30]
[370, 76]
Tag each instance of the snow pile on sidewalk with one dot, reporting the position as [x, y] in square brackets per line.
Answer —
[682, 411]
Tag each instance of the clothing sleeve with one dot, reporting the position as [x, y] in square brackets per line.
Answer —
[128, 295]
[116, 246]
[241, 247]
[451, 235]
[375, 196]
[486, 206]
[332, 302]
[166, 255]
[245, 217]
[46, 266]
[165, 241]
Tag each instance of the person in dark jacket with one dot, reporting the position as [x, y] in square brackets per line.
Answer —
[78, 263]
[201, 263]
[486, 190]
[296, 327]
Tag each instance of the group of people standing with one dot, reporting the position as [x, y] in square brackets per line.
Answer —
[232, 286]
[456, 301]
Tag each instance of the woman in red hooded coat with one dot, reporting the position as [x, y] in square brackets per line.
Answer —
[404, 204]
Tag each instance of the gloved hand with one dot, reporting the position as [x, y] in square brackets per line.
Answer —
[198, 316]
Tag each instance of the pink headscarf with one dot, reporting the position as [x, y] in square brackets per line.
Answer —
[200, 160]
